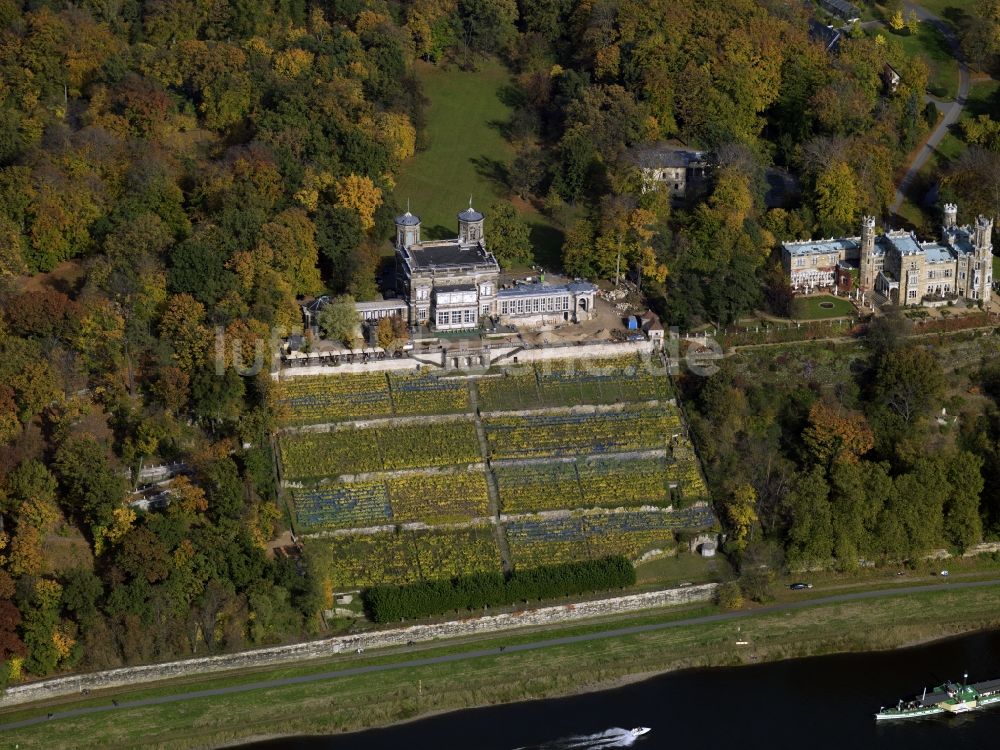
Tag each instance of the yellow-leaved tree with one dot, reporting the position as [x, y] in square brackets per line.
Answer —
[741, 511]
[359, 194]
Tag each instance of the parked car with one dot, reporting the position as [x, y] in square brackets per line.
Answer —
[943, 573]
[799, 586]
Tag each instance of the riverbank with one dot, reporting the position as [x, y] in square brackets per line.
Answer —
[409, 690]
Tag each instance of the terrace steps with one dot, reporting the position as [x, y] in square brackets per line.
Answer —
[492, 488]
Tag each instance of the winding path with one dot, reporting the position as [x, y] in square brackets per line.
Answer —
[478, 653]
[952, 110]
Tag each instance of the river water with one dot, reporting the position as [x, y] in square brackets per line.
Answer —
[821, 702]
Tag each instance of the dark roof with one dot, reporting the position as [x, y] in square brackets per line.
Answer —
[829, 36]
[447, 253]
[407, 220]
[842, 8]
[653, 157]
[470, 214]
[317, 304]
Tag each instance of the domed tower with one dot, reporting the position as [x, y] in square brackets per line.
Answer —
[470, 225]
[407, 230]
[867, 253]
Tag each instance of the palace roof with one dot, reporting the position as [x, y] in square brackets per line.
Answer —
[537, 288]
[819, 247]
[446, 253]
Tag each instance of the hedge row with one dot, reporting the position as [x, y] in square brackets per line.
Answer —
[414, 600]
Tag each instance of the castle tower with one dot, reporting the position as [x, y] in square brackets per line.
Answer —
[407, 229]
[950, 215]
[982, 238]
[470, 225]
[867, 281]
[982, 242]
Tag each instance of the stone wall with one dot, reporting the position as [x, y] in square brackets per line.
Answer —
[403, 364]
[41, 690]
[581, 351]
[502, 355]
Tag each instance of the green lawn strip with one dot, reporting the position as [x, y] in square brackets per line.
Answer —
[810, 308]
[374, 699]
[423, 650]
[467, 154]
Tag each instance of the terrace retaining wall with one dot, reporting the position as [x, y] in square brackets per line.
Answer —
[34, 691]
[501, 356]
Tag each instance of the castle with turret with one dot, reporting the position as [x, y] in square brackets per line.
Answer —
[896, 265]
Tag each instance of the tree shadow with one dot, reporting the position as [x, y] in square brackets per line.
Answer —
[975, 106]
[439, 232]
[493, 170]
[957, 17]
[504, 128]
[511, 96]
[547, 242]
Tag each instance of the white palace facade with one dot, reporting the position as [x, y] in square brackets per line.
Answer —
[454, 284]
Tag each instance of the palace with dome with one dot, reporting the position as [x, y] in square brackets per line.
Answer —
[455, 284]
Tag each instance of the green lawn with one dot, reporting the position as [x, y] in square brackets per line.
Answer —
[983, 99]
[467, 155]
[814, 308]
[952, 11]
[929, 44]
[693, 568]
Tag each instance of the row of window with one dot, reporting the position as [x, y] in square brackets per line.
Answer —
[945, 274]
[456, 317]
[534, 305]
[816, 260]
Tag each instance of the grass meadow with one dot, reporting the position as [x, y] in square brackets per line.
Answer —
[467, 155]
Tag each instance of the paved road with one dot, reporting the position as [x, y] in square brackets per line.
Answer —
[952, 110]
[463, 656]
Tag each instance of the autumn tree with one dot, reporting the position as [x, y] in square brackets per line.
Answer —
[182, 325]
[741, 512]
[10, 618]
[359, 194]
[836, 198]
[834, 434]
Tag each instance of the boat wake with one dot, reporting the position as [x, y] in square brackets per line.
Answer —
[614, 737]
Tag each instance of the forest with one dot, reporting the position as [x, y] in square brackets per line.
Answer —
[170, 169]
[830, 456]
